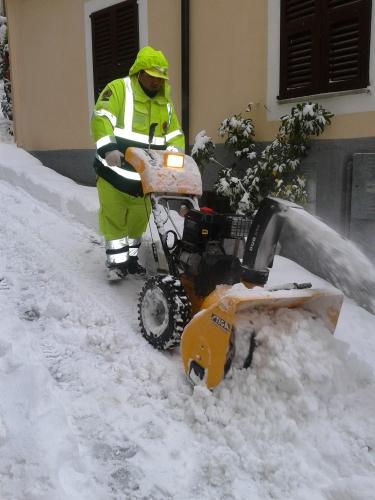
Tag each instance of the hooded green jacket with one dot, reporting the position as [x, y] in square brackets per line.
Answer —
[108, 127]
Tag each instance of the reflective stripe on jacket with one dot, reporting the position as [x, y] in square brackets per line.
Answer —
[122, 118]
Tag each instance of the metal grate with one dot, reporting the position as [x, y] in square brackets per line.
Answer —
[237, 227]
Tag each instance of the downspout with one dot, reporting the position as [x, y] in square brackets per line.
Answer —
[185, 67]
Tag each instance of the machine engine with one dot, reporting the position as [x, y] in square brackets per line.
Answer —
[210, 251]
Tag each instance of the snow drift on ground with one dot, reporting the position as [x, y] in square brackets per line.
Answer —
[88, 410]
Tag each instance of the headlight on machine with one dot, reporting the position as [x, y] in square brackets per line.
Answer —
[174, 160]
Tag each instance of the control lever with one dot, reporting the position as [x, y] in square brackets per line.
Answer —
[151, 134]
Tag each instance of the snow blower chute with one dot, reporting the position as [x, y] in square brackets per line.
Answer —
[211, 267]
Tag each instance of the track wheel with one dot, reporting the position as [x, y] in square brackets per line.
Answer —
[163, 311]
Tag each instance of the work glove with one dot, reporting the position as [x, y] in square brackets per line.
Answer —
[114, 158]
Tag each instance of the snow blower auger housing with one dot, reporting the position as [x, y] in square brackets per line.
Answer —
[212, 267]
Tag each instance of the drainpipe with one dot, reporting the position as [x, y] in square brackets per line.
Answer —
[185, 66]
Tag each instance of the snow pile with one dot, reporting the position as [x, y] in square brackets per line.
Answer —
[39, 451]
[108, 383]
[298, 424]
[24, 170]
[89, 410]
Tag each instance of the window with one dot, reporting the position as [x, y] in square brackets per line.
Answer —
[115, 42]
[324, 46]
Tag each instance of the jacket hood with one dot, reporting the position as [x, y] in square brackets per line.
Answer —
[147, 58]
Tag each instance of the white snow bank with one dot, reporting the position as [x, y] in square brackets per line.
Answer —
[71, 199]
[298, 425]
[33, 423]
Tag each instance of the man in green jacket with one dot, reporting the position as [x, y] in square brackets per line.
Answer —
[122, 117]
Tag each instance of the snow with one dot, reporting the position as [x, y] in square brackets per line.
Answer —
[336, 257]
[88, 410]
[200, 141]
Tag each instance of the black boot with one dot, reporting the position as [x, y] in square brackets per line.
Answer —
[116, 272]
[134, 267]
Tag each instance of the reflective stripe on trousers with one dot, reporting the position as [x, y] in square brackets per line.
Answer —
[119, 251]
[134, 244]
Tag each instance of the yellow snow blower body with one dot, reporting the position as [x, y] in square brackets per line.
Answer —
[207, 338]
[193, 303]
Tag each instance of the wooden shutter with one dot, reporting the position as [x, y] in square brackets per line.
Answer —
[346, 45]
[299, 49]
[115, 42]
[324, 46]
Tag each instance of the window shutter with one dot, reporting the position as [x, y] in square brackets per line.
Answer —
[299, 48]
[346, 46]
[115, 42]
[324, 46]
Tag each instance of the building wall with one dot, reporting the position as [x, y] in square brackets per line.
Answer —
[164, 33]
[232, 67]
[51, 70]
[233, 62]
[47, 53]
[228, 60]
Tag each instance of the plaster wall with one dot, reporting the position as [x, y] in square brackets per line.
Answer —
[234, 52]
[47, 51]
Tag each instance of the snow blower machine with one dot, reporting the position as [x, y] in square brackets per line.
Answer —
[209, 266]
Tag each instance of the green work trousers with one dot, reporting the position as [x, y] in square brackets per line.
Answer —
[121, 214]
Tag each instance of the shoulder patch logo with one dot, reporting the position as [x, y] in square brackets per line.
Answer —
[106, 95]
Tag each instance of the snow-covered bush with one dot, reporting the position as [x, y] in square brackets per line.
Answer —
[276, 170]
[203, 149]
[3, 41]
[239, 133]
[5, 85]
